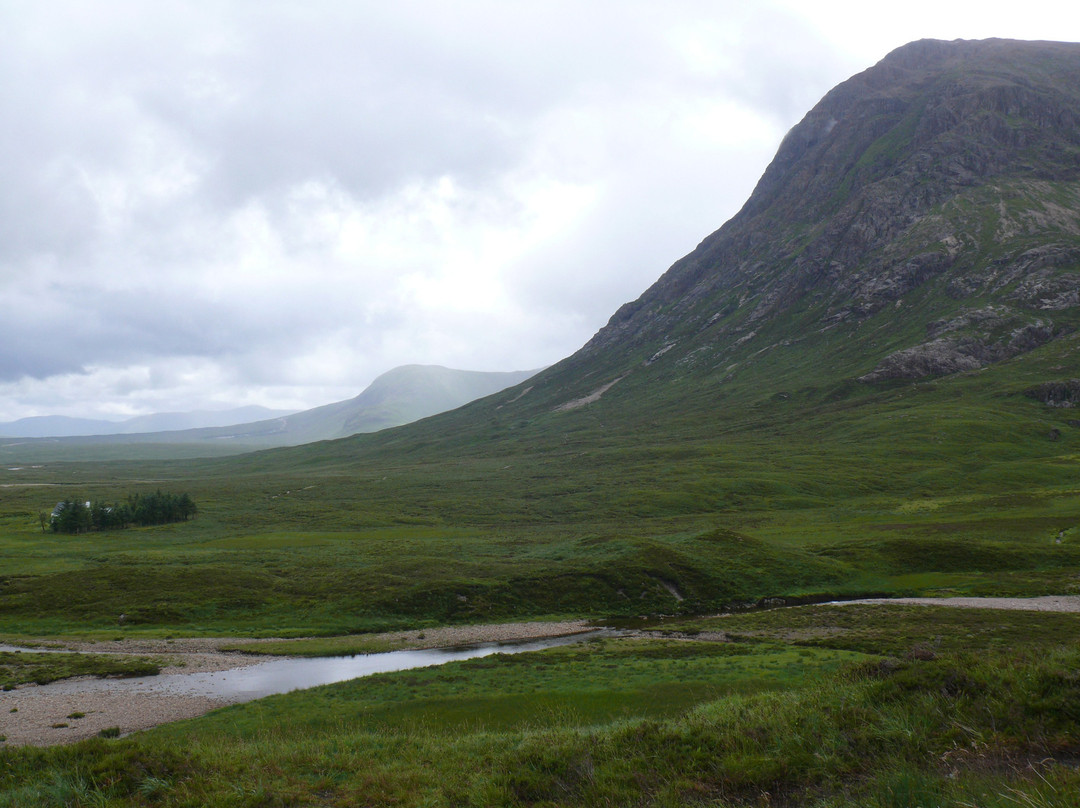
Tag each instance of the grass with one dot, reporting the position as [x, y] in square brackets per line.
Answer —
[894, 629]
[22, 667]
[593, 683]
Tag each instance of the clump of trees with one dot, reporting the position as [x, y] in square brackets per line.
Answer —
[77, 516]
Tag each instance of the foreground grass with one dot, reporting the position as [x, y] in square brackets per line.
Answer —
[665, 722]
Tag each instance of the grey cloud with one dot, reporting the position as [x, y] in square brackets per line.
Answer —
[135, 134]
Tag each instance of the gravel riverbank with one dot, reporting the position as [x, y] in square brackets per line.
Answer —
[1049, 603]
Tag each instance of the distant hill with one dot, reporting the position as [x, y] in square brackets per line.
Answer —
[60, 426]
[397, 397]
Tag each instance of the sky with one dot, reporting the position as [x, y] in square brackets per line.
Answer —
[213, 204]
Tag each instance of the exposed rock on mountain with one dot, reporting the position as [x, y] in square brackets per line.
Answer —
[971, 340]
[1057, 394]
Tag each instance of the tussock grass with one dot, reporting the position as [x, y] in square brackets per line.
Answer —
[23, 667]
[894, 629]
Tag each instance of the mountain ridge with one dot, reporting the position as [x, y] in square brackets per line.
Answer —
[58, 426]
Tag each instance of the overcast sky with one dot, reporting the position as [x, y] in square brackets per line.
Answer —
[209, 204]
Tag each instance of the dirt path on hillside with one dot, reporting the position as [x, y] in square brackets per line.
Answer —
[41, 715]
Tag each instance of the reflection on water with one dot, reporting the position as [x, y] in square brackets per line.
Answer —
[283, 675]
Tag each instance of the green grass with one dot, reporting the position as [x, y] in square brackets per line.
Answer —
[874, 498]
[22, 667]
[579, 685]
[894, 629]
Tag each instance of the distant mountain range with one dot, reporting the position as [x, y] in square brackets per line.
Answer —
[62, 426]
[397, 397]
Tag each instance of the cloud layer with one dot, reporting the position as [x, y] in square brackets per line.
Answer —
[214, 204]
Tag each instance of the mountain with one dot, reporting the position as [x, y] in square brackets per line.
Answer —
[198, 419]
[893, 311]
[46, 426]
[43, 426]
[922, 220]
[930, 201]
[401, 395]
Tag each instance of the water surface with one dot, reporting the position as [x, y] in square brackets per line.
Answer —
[283, 675]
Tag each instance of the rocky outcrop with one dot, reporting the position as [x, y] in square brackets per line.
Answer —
[1045, 277]
[968, 341]
[872, 289]
[1057, 394]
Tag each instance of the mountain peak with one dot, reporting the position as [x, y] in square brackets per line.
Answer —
[926, 174]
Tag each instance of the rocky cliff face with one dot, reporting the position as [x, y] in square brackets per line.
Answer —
[940, 189]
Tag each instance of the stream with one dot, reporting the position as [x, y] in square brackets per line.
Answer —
[281, 675]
